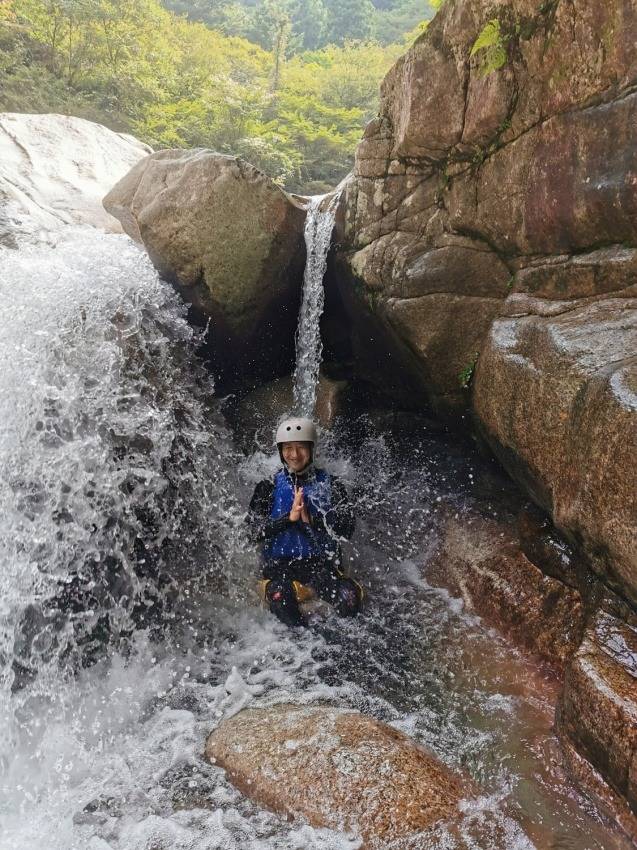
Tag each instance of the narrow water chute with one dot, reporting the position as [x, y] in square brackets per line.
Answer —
[319, 224]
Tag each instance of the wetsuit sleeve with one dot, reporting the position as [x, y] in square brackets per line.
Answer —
[262, 527]
[340, 517]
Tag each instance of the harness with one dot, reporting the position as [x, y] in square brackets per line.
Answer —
[300, 541]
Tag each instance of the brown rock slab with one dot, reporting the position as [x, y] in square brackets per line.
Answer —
[489, 102]
[231, 240]
[591, 275]
[566, 185]
[597, 713]
[557, 400]
[445, 331]
[336, 768]
[544, 547]
[424, 97]
[481, 561]
[437, 303]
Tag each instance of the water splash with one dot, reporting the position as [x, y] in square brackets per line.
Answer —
[318, 233]
[112, 452]
[111, 489]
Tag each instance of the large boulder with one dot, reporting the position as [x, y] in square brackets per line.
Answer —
[338, 769]
[231, 240]
[55, 170]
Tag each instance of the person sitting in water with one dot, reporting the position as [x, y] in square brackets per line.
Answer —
[299, 517]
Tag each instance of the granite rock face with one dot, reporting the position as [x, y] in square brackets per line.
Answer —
[231, 240]
[556, 396]
[489, 238]
[338, 769]
[54, 171]
[598, 706]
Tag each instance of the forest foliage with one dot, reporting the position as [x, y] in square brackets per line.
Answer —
[257, 79]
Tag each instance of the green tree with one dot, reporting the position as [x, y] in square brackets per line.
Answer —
[309, 23]
[279, 27]
[136, 67]
[391, 24]
[350, 20]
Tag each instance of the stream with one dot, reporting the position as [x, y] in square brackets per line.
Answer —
[129, 621]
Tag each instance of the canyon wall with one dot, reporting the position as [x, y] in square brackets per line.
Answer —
[487, 253]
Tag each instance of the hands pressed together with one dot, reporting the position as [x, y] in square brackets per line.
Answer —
[299, 508]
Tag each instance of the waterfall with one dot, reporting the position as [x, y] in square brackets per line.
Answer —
[109, 445]
[318, 233]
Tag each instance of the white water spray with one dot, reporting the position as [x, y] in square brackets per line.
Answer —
[318, 233]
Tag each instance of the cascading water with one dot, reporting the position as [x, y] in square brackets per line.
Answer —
[129, 623]
[318, 233]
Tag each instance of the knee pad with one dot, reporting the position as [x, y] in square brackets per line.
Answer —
[348, 597]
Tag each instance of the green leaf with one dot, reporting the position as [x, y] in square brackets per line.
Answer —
[494, 46]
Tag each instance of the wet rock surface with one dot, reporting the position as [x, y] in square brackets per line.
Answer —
[54, 171]
[336, 768]
[482, 561]
[256, 415]
[487, 254]
[598, 707]
[557, 399]
[231, 240]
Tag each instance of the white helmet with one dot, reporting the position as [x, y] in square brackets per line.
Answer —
[296, 430]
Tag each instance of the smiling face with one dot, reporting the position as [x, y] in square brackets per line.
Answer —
[296, 455]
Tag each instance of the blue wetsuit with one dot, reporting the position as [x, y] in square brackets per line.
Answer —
[309, 553]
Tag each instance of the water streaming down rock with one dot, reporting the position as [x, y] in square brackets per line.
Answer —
[107, 454]
[318, 233]
[117, 468]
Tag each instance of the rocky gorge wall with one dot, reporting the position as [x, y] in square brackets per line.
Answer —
[488, 255]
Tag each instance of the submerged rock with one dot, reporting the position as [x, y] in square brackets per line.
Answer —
[54, 171]
[336, 768]
[231, 240]
[257, 414]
